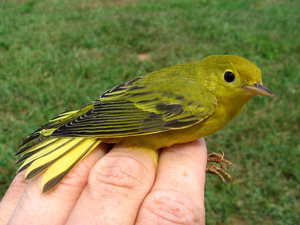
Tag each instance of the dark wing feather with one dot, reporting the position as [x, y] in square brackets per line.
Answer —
[143, 105]
[46, 130]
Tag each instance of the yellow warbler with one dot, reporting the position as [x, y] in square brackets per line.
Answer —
[173, 105]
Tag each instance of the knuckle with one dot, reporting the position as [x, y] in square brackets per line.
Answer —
[120, 173]
[170, 207]
[77, 177]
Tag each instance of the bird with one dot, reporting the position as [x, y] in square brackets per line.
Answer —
[173, 105]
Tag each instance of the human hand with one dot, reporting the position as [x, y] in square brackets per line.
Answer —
[119, 187]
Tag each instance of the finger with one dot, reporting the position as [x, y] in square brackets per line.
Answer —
[12, 197]
[116, 188]
[177, 196]
[55, 205]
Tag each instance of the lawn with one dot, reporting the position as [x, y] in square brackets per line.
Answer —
[60, 55]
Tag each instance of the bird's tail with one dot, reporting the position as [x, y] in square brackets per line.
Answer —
[55, 155]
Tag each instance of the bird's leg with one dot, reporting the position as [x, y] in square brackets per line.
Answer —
[219, 171]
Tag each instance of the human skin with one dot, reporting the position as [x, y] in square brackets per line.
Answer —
[120, 186]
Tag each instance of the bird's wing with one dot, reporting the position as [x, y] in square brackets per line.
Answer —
[149, 104]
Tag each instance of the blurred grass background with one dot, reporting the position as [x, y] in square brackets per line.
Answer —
[59, 55]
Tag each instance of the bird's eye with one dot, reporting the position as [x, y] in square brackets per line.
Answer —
[229, 76]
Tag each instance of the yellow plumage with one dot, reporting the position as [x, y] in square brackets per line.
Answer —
[173, 105]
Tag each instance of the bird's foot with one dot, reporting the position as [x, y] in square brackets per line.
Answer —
[219, 171]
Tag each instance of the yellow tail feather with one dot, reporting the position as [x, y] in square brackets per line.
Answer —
[57, 156]
[43, 151]
[60, 168]
[43, 159]
[40, 145]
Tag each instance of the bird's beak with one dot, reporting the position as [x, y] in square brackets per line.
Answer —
[259, 89]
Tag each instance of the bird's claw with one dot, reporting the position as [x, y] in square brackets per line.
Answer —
[219, 171]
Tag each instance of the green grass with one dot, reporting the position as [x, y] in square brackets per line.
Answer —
[59, 55]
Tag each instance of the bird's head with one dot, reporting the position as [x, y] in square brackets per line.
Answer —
[232, 77]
